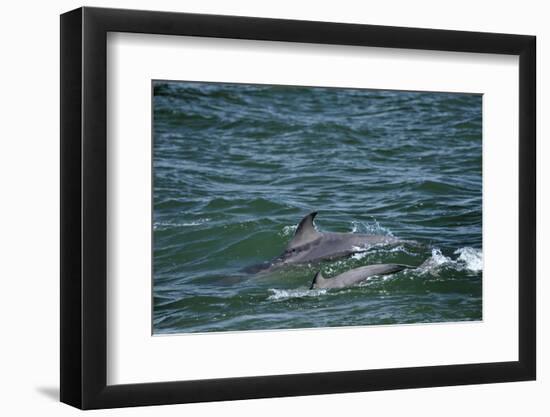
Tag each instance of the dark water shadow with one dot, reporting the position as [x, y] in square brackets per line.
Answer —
[50, 392]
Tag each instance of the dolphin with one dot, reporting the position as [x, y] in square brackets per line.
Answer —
[355, 276]
[310, 246]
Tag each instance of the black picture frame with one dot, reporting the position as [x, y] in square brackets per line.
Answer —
[84, 207]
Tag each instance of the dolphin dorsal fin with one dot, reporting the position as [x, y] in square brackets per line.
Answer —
[318, 280]
[305, 232]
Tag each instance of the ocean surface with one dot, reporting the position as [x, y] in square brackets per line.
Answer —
[236, 167]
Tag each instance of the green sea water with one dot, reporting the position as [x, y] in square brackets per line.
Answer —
[237, 166]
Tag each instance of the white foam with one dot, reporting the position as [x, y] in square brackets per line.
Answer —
[358, 255]
[470, 259]
[279, 295]
[438, 258]
[289, 230]
[168, 225]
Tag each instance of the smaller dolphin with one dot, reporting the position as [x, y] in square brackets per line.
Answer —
[355, 276]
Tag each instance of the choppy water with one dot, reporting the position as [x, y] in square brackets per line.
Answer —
[237, 166]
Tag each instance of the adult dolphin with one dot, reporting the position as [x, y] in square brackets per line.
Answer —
[355, 276]
[309, 245]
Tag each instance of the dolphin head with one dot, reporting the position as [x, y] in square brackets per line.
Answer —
[293, 254]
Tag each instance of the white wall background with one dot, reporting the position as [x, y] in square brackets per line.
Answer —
[29, 178]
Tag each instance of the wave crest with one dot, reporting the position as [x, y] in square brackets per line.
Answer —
[370, 228]
[469, 259]
[169, 225]
[281, 295]
[472, 258]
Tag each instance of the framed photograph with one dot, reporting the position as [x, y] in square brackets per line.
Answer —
[257, 208]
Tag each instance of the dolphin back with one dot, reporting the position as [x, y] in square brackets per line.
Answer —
[355, 276]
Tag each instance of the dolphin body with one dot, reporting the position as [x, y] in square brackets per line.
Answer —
[310, 246]
[355, 276]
